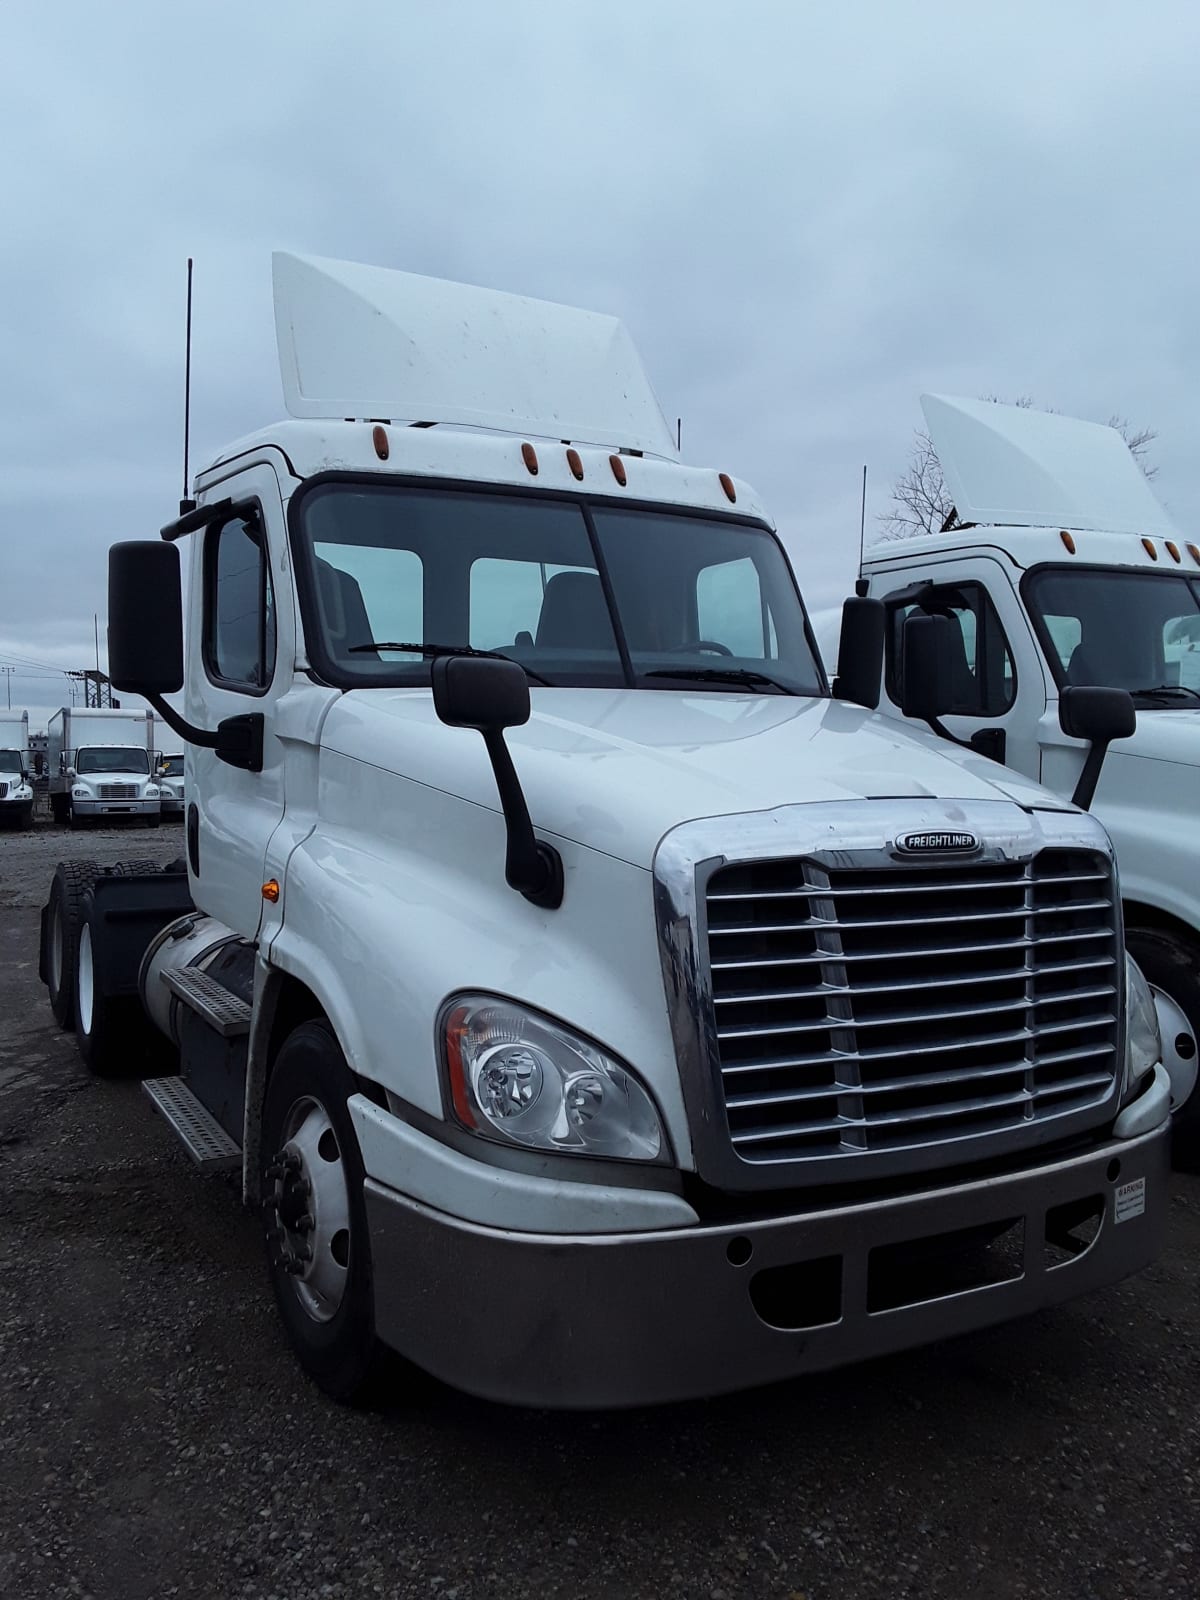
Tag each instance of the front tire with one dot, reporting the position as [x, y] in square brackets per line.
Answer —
[1172, 969]
[71, 882]
[318, 1249]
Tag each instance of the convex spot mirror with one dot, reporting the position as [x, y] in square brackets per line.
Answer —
[145, 617]
[925, 684]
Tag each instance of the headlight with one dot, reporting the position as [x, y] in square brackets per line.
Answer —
[1143, 1041]
[150, 792]
[516, 1076]
[80, 793]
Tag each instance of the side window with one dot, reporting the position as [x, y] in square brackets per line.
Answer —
[978, 665]
[507, 599]
[239, 620]
[730, 609]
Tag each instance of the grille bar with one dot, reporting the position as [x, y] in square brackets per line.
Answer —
[897, 1034]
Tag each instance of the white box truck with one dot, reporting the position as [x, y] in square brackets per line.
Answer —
[100, 765]
[598, 1010]
[1063, 569]
[172, 789]
[16, 786]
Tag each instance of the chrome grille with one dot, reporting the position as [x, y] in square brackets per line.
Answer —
[118, 791]
[872, 1009]
[3, 791]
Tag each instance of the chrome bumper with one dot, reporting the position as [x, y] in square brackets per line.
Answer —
[637, 1318]
[116, 808]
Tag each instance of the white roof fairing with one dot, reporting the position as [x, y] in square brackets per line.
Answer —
[1015, 467]
[367, 342]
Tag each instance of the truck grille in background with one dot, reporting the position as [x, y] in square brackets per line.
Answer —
[863, 1010]
[118, 791]
[3, 791]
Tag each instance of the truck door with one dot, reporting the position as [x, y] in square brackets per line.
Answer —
[997, 685]
[241, 648]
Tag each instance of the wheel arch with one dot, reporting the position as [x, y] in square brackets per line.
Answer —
[1139, 914]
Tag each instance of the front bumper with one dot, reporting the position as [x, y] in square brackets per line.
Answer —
[635, 1318]
[116, 808]
[172, 805]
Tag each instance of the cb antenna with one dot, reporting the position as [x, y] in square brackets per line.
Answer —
[187, 504]
[861, 585]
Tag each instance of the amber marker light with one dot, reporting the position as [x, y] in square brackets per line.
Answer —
[1172, 549]
[618, 467]
[1068, 541]
[529, 456]
[456, 1027]
[270, 890]
[1149, 547]
[727, 485]
[575, 464]
[380, 440]
[1194, 552]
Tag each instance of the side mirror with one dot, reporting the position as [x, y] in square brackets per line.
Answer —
[923, 681]
[1098, 715]
[145, 617]
[489, 695]
[860, 652]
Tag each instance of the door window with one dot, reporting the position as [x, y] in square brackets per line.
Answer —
[239, 624]
[978, 664]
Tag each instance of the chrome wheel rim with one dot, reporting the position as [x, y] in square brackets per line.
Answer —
[1176, 1030]
[309, 1201]
[84, 981]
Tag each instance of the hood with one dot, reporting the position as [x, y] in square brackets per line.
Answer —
[1164, 736]
[1013, 466]
[616, 769]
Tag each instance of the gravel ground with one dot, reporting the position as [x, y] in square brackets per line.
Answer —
[157, 1440]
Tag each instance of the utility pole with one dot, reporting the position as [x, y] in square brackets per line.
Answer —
[96, 626]
[8, 672]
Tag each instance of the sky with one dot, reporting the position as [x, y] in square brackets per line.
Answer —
[807, 215]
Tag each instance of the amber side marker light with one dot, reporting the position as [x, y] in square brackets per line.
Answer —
[379, 439]
[456, 1027]
[529, 456]
[727, 485]
[1172, 549]
[1068, 541]
[618, 467]
[270, 890]
[1149, 547]
[575, 464]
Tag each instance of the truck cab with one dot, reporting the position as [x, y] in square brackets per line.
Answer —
[1063, 569]
[16, 784]
[599, 1010]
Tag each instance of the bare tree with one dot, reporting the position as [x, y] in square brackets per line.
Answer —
[921, 501]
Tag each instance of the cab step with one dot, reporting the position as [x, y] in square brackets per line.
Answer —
[224, 1012]
[201, 1135]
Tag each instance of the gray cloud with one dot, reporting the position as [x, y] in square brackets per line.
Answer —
[807, 215]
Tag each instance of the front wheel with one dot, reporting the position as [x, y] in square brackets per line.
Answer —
[1172, 969]
[315, 1215]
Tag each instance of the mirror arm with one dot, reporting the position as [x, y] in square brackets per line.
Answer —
[180, 725]
[1085, 789]
[237, 740]
[532, 867]
[943, 732]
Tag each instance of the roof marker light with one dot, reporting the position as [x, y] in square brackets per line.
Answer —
[1149, 547]
[1068, 541]
[529, 456]
[575, 464]
[1172, 549]
[618, 467]
[1194, 552]
[379, 439]
[727, 485]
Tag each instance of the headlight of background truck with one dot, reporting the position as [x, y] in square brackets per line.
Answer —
[1143, 1041]
[516, 1076]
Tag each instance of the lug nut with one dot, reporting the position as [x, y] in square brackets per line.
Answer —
[305, 1223]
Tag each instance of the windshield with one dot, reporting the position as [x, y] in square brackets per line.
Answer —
[171, 765]
[1123, 630]
[581, 595]
[112, 758]
[10, 761]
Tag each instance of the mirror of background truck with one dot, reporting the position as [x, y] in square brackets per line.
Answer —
[1099, 716]
[145, 617]
[925, 691]
[860, 653]
[489, 696]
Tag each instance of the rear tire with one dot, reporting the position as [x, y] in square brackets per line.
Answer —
[110, 1030]
[58, 807]
[1172, 965]
[71, 881]
[312, 1175]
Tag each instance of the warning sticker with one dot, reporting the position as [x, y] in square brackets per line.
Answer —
[1131, 1199]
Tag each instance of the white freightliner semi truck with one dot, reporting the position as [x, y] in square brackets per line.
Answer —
[1063, 569]
[16, 785]
[100, 765]
[598, 1010]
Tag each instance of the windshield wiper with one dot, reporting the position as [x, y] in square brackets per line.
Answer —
[429, 651]
[741, 675]
[1165, 691]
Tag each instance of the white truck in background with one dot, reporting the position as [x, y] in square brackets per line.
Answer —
[99, 763]
[16, 787]
[1063, 569]
[169, 775]
[598, 1010]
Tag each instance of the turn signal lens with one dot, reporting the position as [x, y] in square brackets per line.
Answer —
[270, 890]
